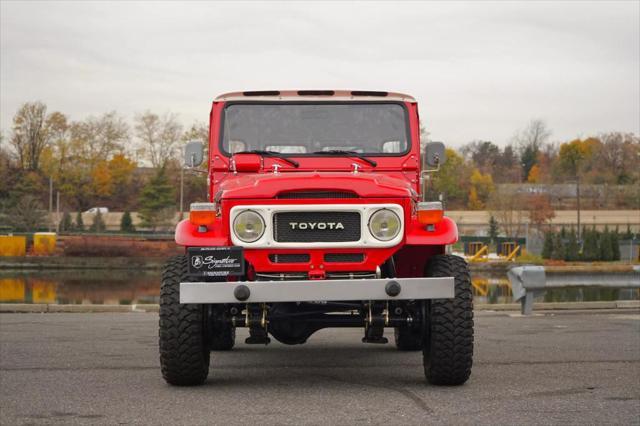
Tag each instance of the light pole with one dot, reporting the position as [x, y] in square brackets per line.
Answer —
[578, 202]
[50, 202]
[181, 192]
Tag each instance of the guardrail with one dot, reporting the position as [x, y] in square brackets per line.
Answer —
[530, 281]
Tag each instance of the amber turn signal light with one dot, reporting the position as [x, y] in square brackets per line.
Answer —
[430, 213]
[202, 213]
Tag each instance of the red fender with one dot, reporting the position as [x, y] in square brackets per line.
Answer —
[187, 235]
[445, 232]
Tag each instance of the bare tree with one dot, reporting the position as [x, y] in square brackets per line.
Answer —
[534, 135]
[529, 142]
[505, 204]
[29, 136]
[98, 138]
[159, 135]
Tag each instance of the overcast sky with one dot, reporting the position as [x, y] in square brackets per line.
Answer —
[480, 70]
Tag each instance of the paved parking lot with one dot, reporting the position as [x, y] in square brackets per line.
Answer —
[574, 368]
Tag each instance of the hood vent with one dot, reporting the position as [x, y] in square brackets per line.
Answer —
[297, 195]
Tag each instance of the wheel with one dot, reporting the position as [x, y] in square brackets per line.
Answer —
[448, 349]
[184, 350]
[408, 339]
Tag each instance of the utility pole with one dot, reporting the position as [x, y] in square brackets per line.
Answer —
[50, 202]
[181, 192]
[57, 212]
[578, 202]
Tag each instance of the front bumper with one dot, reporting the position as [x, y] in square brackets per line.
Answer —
[316, 290]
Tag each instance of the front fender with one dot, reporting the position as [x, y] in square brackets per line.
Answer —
[445, 232]
[187, 235]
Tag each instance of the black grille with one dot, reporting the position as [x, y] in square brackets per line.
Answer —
[316, 227]
[289, 258]
[316, 194]
[344, 257]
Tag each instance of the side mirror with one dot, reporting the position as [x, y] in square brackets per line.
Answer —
[434, 154]
[193, 154]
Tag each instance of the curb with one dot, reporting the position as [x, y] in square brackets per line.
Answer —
[55, 308]
[145, 308]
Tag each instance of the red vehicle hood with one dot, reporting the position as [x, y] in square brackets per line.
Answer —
[270, 185]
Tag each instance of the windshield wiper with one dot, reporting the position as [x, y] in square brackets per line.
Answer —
[346, 153]
[274, 154]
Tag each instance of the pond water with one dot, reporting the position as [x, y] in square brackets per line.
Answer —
[143, 286]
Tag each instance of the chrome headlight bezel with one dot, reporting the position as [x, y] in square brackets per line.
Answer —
[397, 225]
[260, 220]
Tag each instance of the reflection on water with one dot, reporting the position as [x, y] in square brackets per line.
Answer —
[497, 289]
[80, 287]
[129, 287]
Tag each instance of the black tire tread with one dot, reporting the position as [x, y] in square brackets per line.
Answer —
[448, 355]
[184, 354]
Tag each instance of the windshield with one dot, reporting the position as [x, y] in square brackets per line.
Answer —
[305, 128]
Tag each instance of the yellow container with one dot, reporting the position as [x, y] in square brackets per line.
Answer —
[44, 243]
[12, 290]
[43, 291]
[13, 246]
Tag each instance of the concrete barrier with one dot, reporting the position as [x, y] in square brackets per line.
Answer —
[530, 281]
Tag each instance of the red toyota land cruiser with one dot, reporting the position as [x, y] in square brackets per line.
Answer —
[315, 219]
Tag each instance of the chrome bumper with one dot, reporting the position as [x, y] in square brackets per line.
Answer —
[316, 290]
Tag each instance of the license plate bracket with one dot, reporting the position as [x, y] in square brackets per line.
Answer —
[215, 261]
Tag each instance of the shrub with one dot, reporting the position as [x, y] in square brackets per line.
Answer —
[547, 248]
[79, 223]
[65, 223]
[590, 250]
[98, 224]
[126, 224]
[572, 251]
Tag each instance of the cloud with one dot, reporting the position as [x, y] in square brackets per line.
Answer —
[479, 70]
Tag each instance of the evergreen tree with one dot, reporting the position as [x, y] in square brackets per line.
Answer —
[65, 223]
[563, 233]
[157, 200]
[558, 248]
[590, 250]
[79, 223]
[572, 252]
[628, 235]
[547, 248]
[604, 245]
[493, 229]
[126, 224]
[98, 224]
[615, 245]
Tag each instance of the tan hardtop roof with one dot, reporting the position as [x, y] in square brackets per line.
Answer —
[317, 95]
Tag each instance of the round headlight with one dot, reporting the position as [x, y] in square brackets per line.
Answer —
[384, 225]
[248, 226]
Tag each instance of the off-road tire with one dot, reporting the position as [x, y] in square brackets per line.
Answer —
[408, 339]
[184, 351]
[448, 346]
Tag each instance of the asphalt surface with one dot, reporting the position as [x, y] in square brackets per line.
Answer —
[571, 368]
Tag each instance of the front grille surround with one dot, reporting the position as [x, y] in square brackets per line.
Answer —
[287, 227]
[315, 240]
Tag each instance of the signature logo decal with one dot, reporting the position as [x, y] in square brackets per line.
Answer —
[210, 262]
